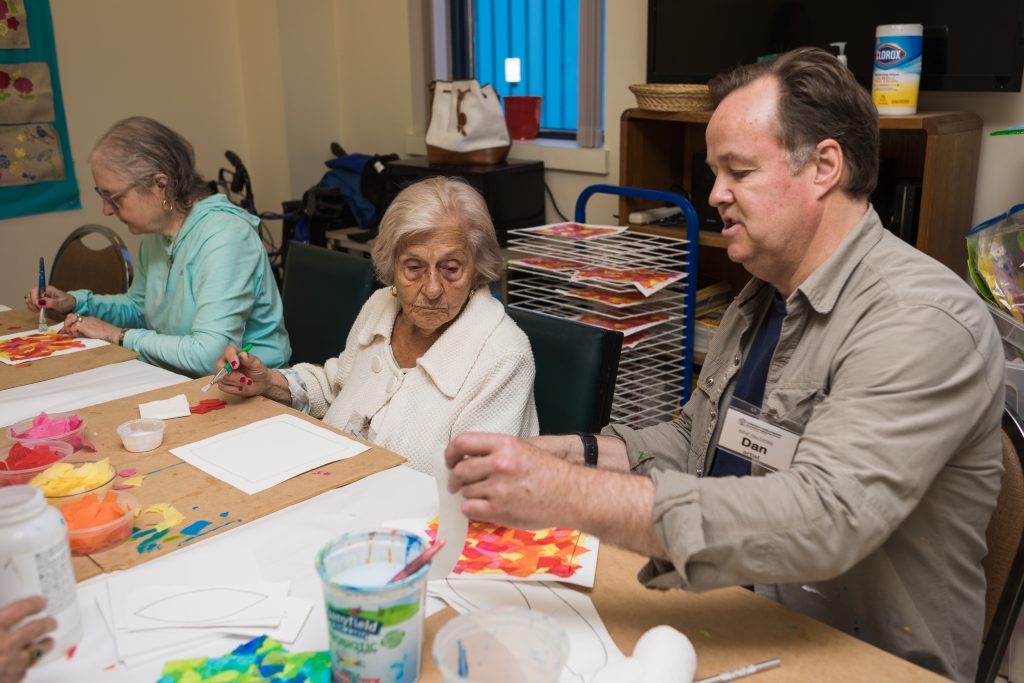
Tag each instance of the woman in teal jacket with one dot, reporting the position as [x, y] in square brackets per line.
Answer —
[202, 278]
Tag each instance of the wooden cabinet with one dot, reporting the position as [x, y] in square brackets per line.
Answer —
[940, 150]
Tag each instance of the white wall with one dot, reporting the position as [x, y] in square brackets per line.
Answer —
[277, 81]
[1001, 171]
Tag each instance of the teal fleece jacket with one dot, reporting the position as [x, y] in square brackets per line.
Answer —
[209, 286]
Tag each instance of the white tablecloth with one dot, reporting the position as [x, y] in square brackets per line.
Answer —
[83, 389]
[279, 547]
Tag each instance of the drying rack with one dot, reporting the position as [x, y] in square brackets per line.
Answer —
[656, 365]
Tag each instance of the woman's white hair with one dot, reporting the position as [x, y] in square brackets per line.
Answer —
[434, 203]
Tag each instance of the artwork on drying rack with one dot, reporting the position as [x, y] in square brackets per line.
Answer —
[614, 299]
[547, 263]
[23, 347]
[573, 231]
[646, 280]
[629, 326]
[14, 23]
[637, 338]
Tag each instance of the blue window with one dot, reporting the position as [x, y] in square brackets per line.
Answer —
[544, 35]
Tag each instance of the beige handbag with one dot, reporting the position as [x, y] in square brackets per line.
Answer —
[467, 124]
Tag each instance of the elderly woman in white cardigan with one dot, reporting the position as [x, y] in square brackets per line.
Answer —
[432, 354]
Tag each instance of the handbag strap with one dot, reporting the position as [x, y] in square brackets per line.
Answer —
[460, 117]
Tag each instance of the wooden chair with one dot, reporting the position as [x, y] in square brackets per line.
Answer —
[106, 270]
[1004, 565]
[577, 365]
[324, 290]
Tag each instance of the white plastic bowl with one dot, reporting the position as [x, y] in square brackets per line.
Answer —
[139, 436]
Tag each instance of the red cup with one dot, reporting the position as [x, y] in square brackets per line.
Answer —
[522, 113]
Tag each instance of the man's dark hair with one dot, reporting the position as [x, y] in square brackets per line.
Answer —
[818, 99]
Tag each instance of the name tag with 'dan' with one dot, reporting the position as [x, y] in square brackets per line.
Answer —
[756, 440]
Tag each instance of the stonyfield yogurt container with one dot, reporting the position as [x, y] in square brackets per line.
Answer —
[375, 627]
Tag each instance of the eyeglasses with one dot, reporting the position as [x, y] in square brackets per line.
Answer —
[112, 198]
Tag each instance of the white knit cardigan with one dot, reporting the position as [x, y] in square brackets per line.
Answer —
[478, 376]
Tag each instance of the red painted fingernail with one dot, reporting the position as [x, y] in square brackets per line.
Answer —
[234, 363]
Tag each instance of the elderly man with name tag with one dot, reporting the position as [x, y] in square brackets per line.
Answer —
[856, 379]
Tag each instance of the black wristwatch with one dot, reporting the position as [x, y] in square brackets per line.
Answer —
[589, 449]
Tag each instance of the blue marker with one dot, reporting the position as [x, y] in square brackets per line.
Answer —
[42, 293]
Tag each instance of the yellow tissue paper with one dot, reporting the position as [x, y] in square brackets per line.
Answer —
[171, 516]
[134, 481]
[64, 479]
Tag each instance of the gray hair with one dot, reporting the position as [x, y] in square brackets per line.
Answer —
[139, 148]
[433, 203]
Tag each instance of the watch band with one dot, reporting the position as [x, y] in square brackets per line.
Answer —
[120, 337]
[589, 449]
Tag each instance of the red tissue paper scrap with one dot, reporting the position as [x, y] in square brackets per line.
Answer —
[207, 405]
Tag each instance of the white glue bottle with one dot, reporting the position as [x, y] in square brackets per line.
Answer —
[897, 75]
[35, 560]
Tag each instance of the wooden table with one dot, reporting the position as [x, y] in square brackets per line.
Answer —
[191, 491]
[729, 627]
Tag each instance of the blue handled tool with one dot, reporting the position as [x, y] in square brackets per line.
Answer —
[42, 293]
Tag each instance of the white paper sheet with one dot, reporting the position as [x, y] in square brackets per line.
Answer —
[298, 610]
[86, 345]
[204, 606]
[82, 389]
[176, 406]
[452, 525]
[265, 453]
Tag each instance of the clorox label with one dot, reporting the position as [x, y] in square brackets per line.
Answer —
[889, 54]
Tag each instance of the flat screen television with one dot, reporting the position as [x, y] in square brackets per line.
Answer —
[968, 45]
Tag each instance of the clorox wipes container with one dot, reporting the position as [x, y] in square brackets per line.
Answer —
[897, 73]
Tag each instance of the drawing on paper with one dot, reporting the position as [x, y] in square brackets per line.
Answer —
[500, 550]
[25, 347]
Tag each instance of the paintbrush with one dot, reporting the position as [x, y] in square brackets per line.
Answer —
[421, 559]
[223, 371]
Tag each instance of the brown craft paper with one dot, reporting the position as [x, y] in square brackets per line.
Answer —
[12, 376]
[729, 628]
[171, 480]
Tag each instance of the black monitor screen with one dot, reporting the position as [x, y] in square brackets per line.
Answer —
[967, 45]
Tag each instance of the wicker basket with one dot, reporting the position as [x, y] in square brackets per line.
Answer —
[672, 96]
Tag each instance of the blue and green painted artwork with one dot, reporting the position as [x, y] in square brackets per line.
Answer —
[260, 659]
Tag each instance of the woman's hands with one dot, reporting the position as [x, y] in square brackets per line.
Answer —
[53, 298]
[250, 377]
[87, 326]
[20, 644]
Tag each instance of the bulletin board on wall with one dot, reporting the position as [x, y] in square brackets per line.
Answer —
[37, 173]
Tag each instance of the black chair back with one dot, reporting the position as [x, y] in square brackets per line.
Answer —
[104, 270]
[1004, 565]
[324, 290]
[576, 369]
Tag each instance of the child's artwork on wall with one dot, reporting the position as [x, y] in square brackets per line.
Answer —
[13, 25]
[26, 94]
[29, 154]
[36, 170]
